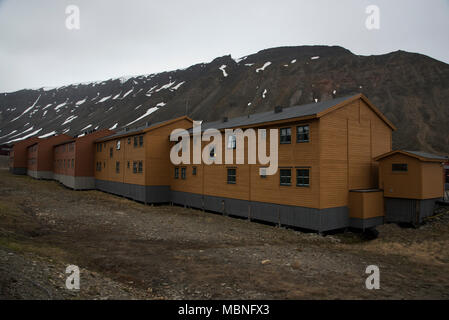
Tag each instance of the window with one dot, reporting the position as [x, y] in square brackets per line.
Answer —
[176, 173]
[263, 172]
[232, 142]
[64, 163]
[135, 142]
[232, 175]
[104, 164]
[302, 133]
[285, 177]
[118, 145]
[98, 166]
[73, 163]
[140, 166]
[183, 173]
[117, 167]
[286, 135]
[140, 141]
[302, 177]
[194, 171]
[134, 167]
[399, 167]
[128, 164]
[129, 140]
[111, 152]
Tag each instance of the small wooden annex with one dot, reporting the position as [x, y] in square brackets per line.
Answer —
[412, 182]
[136, 163]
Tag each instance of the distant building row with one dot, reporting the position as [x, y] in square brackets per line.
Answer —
[336, 168]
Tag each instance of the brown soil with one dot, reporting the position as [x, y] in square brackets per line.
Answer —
[127, 250]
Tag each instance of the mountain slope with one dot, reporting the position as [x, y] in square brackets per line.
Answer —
[411, 89]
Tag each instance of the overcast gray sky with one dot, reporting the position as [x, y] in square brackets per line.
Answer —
[135, 37]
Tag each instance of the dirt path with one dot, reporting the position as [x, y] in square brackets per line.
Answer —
[128, 250]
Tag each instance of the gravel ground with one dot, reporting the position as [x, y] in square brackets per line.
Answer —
[127, 250]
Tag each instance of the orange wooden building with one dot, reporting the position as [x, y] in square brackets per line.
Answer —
[136, 163]
[40, 156]
[326, 149]
[412, 182]
[18, 156]
[74, 161]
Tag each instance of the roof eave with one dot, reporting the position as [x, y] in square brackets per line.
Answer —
[412, 155]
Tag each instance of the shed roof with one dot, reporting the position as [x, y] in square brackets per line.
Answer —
[422, 156]
[310, 110]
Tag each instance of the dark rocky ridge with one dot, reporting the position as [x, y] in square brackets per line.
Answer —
[411, 89]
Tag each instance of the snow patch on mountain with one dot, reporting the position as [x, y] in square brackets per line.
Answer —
[104, 99]
[28, 109]
[25, 137]
[222, 68]
[166, 86]
[264, 93]
[177, 86]
[86, 127]
[69, 119]
[127, 93]
[264, 66]
[80, 102]
[47, 134]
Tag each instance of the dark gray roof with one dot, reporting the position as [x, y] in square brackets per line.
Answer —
[287, 113]
[130, 131]
[120, 133]
[427, 155]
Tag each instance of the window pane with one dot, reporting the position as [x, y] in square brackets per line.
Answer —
[285, 136]
[302, 133]
[232, 178]
[140, 166]
[302, 177]
[285, 176]
[183, 173]
[401, 167]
